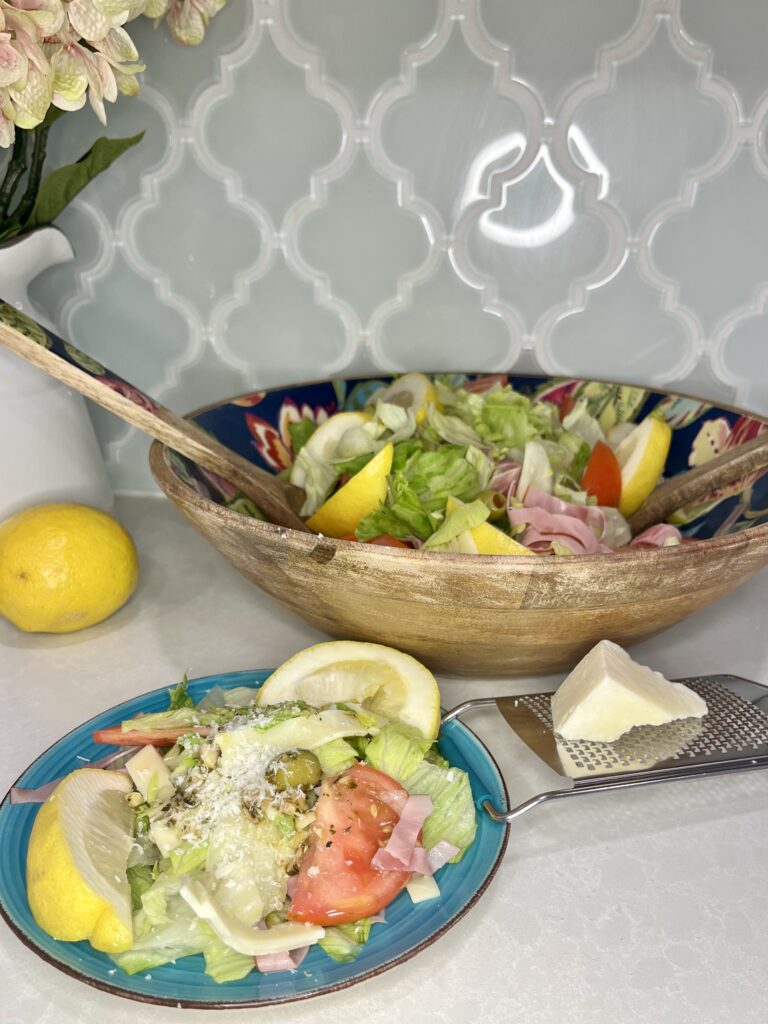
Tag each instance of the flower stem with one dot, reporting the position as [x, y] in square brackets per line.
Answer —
[23, 211]
[14, 172]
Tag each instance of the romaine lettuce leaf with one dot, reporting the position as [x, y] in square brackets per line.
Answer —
[300, 433]
[178, 696]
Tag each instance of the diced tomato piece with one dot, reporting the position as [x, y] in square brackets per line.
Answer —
[161, 738]
[483, 383]
[602, 476]
[566, 406]
[356, 812]
[386, 540]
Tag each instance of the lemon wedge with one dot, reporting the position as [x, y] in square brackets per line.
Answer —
[412, 391]
[341, 513]
[382, 679]
[324, 441]
[76, 864]
[642, 456]
[486, 539]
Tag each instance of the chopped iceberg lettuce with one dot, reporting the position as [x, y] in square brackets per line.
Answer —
[453, 809]
[335, 756]
[345, 942]
[457, 521]
[398, 750]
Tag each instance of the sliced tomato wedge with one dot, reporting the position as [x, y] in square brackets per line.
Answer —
[602, 476]
[161, 738]
[356, 812]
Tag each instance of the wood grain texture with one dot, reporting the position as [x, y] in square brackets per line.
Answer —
[164, 425]
[696, 484]
[470, 615]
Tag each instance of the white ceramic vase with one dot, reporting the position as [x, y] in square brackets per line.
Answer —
[48, 448]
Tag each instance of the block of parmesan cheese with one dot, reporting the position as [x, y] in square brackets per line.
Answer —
[608, 693]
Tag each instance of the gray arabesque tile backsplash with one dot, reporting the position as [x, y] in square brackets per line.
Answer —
[578, 187]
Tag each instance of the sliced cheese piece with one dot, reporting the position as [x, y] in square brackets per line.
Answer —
[422, 887]
[608, 693]
[242, 938]
[150, 775]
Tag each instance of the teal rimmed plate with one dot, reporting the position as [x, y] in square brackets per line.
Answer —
[409, 928]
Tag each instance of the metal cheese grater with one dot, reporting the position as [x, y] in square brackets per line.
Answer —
[731, 737]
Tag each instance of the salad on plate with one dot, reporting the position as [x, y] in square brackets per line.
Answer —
[257, 822]
[480, 468]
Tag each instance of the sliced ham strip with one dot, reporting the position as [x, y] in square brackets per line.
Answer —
[270, 963]
[543, 527]
[656, 537]
[506, 477]
[396, 855]
[18, 795]
[592, 515]
[440, 854]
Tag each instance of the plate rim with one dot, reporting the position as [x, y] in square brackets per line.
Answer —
[224, 1004]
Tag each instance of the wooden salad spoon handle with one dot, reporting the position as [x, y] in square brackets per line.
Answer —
[695, 484]
[21, 334]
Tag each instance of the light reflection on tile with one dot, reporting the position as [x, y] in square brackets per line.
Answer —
[581, 184]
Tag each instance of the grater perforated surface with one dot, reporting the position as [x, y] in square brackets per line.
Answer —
[734, 728]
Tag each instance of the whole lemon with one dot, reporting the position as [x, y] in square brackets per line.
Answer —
[64, 567]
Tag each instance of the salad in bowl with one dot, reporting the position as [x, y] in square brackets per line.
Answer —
[255, 823]
[478, 467]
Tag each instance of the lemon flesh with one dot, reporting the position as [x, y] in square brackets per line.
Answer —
[380, 678]
[642, 456]
[412, 391]
[64, 567]
[360, 496]
[76, 863]
[324, 442]
[491, 541]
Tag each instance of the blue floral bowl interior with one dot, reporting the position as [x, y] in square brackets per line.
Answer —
[257, 426]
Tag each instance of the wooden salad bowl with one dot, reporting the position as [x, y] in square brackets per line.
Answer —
[478, 615]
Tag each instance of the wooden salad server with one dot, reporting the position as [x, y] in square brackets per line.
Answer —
[21, 334]
[695, 484]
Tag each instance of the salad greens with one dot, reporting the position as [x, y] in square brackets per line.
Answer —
[228, 815]
[525, 464]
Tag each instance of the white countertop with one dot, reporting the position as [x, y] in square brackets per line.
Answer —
[649, 906]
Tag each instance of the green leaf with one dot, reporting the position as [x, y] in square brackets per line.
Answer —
[300, 433]
[178, 696]
[63, 184]
[140, 879]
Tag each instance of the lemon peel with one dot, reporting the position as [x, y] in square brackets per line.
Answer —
[64, 567]
[413, 391]
[642, 456]
[76, 863]
[341, 513]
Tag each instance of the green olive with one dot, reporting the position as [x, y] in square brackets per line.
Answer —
[496, 502]
[295, 769]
